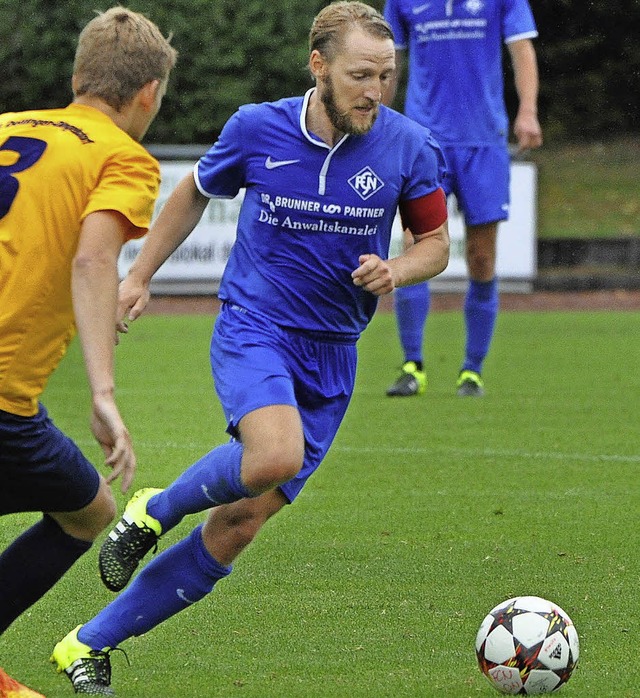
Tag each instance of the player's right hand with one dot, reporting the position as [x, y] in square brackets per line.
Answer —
[373, 274]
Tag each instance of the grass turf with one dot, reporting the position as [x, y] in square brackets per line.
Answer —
[588, 190]
[426, 513]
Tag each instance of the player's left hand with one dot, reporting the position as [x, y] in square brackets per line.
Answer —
[527, 131]
[374, 275]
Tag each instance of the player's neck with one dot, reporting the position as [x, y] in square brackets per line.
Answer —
[99, 104]
[318, 121]
[124, 118]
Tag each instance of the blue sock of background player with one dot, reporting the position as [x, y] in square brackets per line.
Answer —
[480, 313]
[412, 307]
[481, 305]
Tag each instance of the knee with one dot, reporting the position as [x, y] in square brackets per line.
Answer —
[89, 522]
[481, 252]
[229, 529]
[98, 517]
[104, 514]
[243, 532]
[481, 265]
[271, 468]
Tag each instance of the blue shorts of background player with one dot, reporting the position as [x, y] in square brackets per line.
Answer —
[479, 177]
[255, 364]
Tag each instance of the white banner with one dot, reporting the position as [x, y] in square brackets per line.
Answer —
[197, 265]
[202, 256]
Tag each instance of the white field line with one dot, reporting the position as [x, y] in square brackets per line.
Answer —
[396, 450]
[497, 453]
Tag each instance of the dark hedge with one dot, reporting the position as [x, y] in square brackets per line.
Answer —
[235, 52]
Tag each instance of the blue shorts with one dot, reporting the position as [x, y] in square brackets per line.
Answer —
[256, 363]
[41, 468]
[479, 178]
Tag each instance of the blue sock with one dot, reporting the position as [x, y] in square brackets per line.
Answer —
[214, 479]
[480, 313]
[32, 564]
[412, 307]
[181, 575]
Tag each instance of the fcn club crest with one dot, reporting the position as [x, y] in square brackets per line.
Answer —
[474, 6]
[366, 183]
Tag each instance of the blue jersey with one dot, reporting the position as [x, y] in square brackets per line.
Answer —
[310, 211]
[455, 75]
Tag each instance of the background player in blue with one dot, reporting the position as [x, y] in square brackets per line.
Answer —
[455, 87]
[324, 176]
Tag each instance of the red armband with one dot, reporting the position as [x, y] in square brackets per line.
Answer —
[424, 214]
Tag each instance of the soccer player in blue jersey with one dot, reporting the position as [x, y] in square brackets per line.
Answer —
[324, 175]
[455, 87]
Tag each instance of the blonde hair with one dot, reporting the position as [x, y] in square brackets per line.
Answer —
[334, 21]
[118, 52]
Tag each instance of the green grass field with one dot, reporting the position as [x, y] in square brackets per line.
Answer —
[427, 512]
[588, 190]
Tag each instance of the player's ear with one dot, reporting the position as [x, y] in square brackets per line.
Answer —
[317, 65]
[148, 94]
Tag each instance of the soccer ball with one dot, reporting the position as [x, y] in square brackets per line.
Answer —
[527, 645]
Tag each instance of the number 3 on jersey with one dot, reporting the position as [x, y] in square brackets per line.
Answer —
[30, 151]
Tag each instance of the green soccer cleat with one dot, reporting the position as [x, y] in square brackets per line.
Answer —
[470, 384]
[88, 670]
[129, 541]
[410, 382]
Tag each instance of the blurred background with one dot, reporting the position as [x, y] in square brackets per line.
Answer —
[236, 52]
[232, 53]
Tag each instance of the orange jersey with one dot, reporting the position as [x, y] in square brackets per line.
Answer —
[56, 167]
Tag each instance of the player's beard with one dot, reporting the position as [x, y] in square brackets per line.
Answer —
[340, 120]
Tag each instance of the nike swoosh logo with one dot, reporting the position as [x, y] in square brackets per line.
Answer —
[181, 595]
[205, 492]
[421, 8]
[272, 164]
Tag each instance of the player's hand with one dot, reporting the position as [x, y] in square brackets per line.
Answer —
[527, 131]
[374, 275]
[133, 297]
[113, 436]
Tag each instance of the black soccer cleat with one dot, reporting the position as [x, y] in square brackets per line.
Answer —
[129, 541]
[411, 381]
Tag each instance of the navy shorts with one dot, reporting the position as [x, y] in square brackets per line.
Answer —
[41, 468]
[256, 363]
[479, 177]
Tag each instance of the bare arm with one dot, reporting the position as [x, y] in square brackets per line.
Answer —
[425, 222]
[525, 68]
[427, 257]
[179, 216]
[94, 286]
